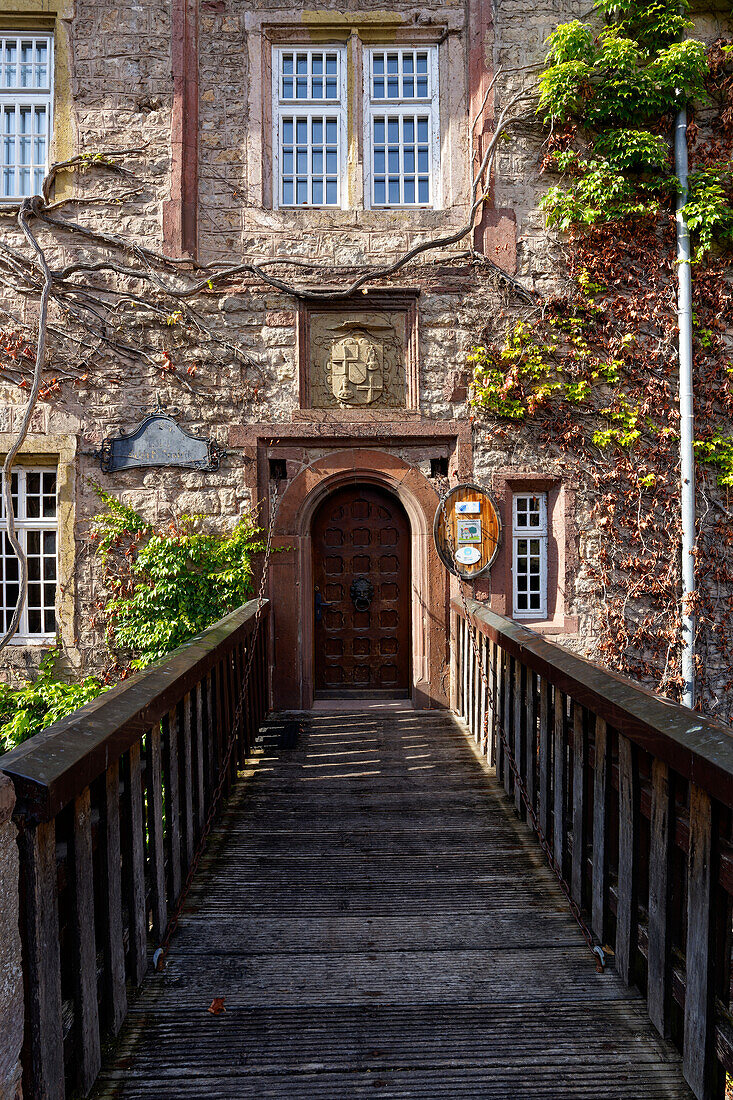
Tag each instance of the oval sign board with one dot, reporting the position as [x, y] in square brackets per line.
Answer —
[467, 555]
[467, 531]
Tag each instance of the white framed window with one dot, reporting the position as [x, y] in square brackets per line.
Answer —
[529, 555]
[26, 87]
[309, 122]
[402, 121]
[36, 523]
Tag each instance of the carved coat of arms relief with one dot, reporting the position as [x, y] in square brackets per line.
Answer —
[356, 370]
[358, 361]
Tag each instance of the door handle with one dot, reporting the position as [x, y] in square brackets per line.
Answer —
[319, 603]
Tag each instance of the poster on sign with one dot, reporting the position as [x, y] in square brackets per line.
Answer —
[467, 531]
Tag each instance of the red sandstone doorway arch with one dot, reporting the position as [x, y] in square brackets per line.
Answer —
[291, 575]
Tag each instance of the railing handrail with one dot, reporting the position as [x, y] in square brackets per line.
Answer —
[696, 747]
[51, 768]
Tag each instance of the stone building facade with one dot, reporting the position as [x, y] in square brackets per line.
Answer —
[341, 136]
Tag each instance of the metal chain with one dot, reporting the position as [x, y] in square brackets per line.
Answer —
[595, 948]
[161, 953]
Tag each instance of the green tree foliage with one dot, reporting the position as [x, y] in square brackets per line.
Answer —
[166, 586]
[612, 94]
[41, 702]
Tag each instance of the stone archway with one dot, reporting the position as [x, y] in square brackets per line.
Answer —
[291, 579]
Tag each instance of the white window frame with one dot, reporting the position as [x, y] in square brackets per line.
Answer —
[24, 524]
[541, 533]
[401, 108]
[309, 108]
[19, 97]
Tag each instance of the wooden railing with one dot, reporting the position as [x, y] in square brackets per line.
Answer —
[634, 795]
[111, 803]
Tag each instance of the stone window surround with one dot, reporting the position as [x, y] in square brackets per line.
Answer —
[397, 299]
[561, 548]
[58, 451]
[52, 17]
[39, 98]
[355, 30]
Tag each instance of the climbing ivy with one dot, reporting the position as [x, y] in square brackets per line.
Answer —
[592, 371]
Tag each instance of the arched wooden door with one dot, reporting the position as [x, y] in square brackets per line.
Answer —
[361, 598]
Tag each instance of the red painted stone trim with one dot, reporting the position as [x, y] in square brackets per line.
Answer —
[495, 231]
[180, 231]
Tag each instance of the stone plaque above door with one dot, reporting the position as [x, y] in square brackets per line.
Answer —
[356, 359]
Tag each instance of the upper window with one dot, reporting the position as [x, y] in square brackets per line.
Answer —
[403, 135]
[26, 67]
[529, 555]
[35, 508]
[309, 113]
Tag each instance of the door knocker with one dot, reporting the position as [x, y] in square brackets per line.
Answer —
[362, 593]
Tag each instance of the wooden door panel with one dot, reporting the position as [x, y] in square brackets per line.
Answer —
[362, 533]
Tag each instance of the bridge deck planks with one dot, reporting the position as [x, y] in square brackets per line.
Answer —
[393, 932]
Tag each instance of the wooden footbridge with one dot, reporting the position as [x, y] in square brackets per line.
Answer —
[374, 911]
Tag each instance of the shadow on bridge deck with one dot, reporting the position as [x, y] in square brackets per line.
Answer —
[381, 924]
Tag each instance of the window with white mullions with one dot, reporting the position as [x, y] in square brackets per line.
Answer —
[309, 75]
[309, 140]
[403, 143]
[36, 510]
[401, 74]
[401, 160]
[529, 555]
[25, 113]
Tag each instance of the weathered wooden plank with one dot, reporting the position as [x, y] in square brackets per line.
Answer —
[156, 849]
[520, 688]
[601, 820]
[212, 770]
[507, 686]
[530, 750]
[543, 759]
[173, 805]
[87, 1050]
[134, 851]
[493, 754]
[580, 760]
[42, 960]
[559, 779]
[628, 833]
[658, 960]
[698, 1060]
[200, 759]
[187, 777]
[115, 995]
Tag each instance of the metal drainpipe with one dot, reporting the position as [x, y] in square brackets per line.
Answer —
[687, 455]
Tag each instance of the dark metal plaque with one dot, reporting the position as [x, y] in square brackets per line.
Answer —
[159, 441]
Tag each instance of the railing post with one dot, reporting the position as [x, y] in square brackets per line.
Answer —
[11, 1004]
[86, 1009]
[580, 759]
[699, 1063]
[628, 834]
[520, 682]
[601, 826]
[42, 959]
[135, 850]
[543, 760]
[559, 780]
[658, 984]
[156, 839]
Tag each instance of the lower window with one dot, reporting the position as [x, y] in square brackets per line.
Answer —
[529, 555]
[36, 510]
